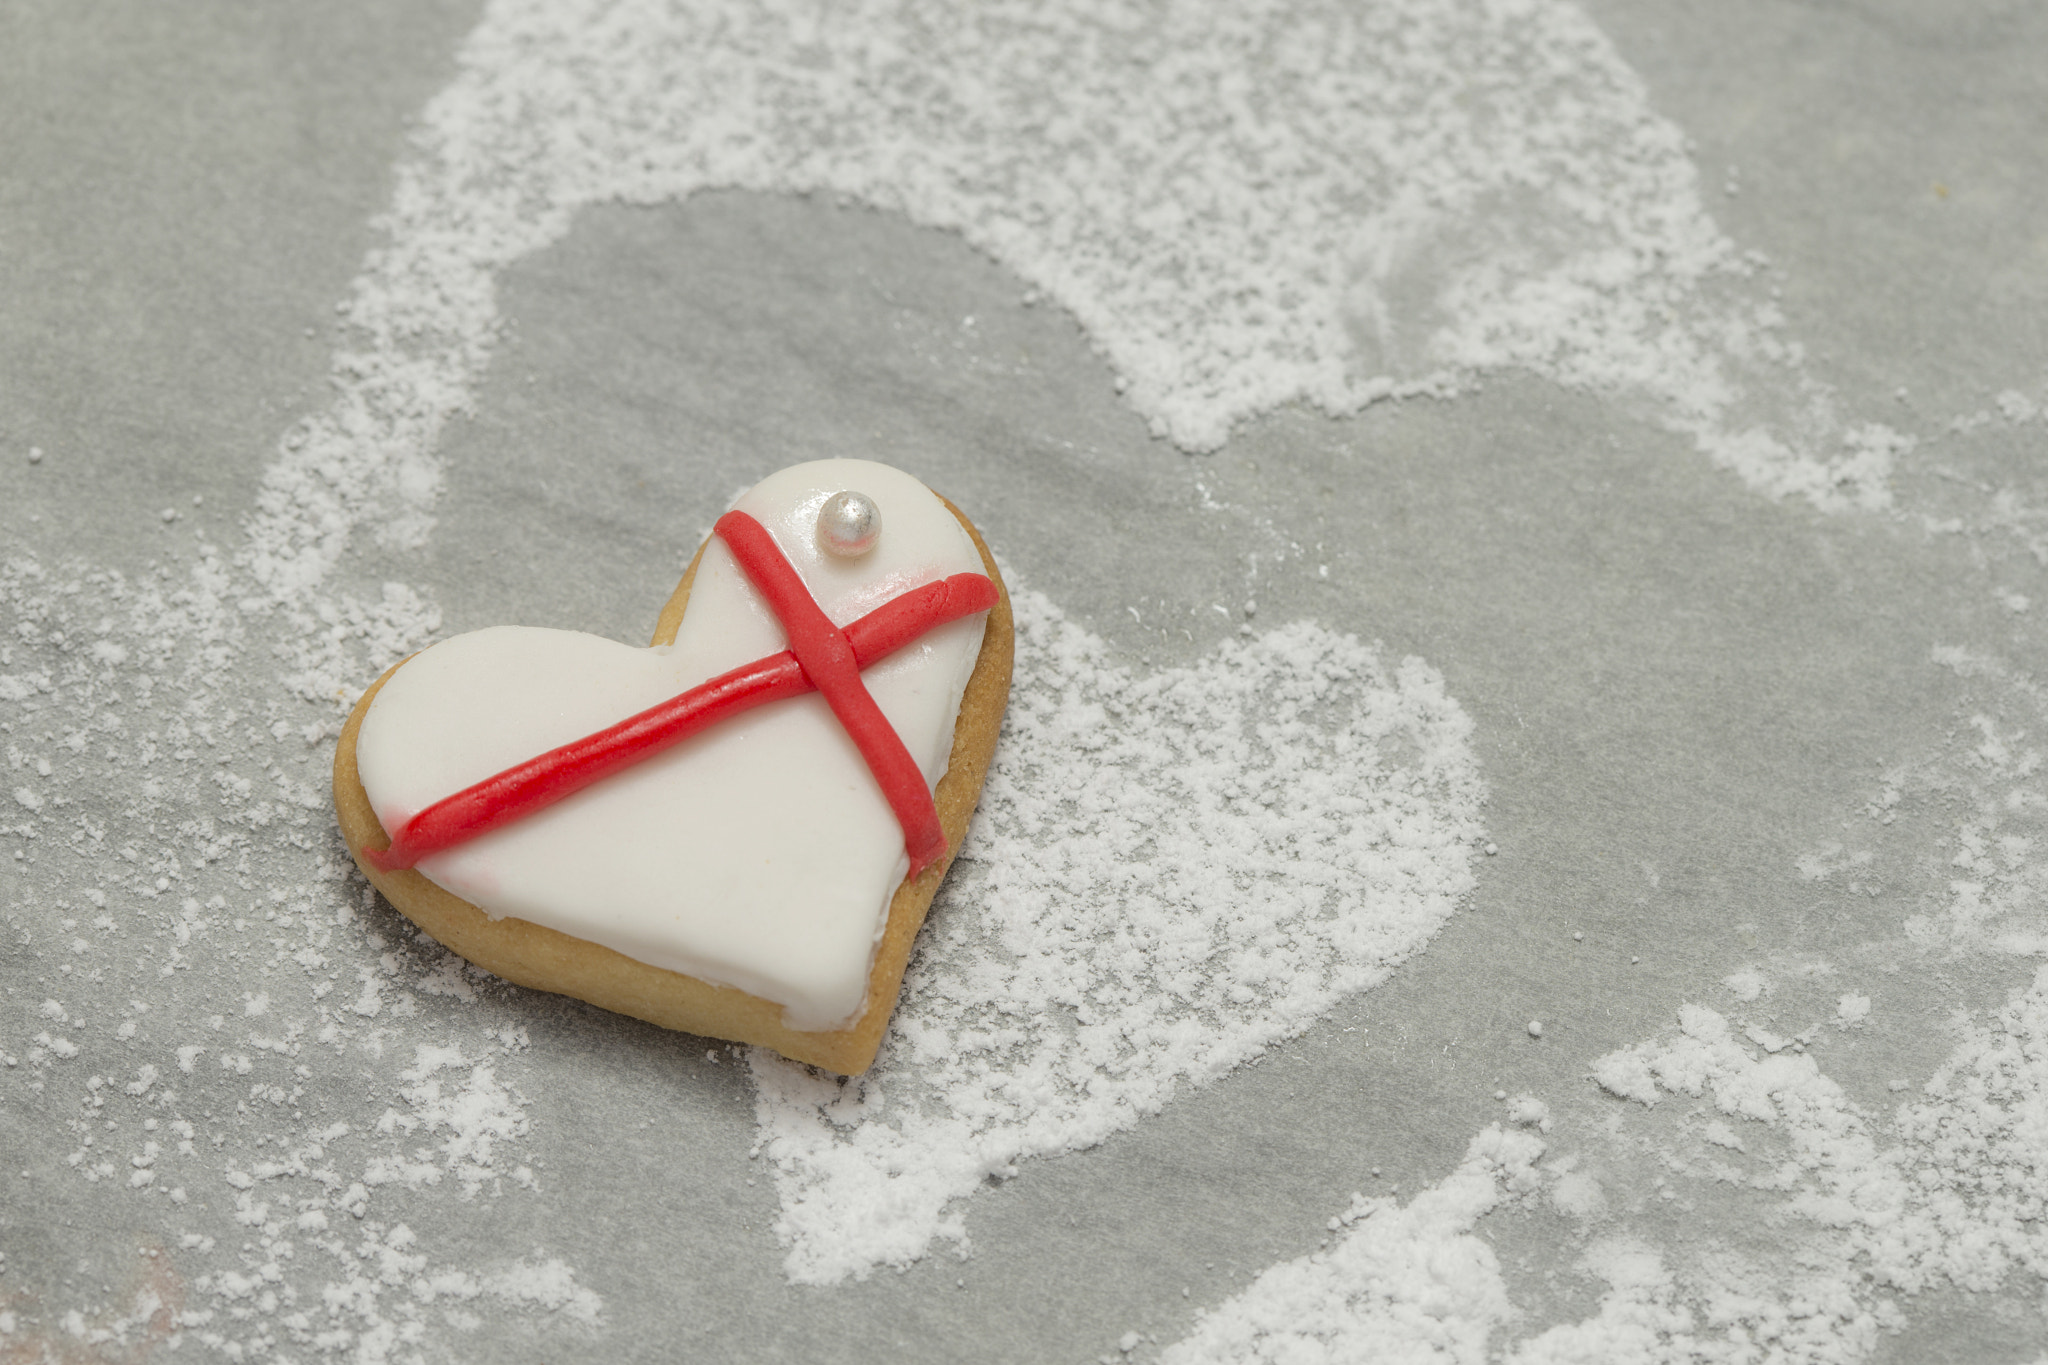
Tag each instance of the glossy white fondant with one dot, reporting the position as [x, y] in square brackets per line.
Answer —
[759, 853]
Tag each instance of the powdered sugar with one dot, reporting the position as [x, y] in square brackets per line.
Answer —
[1872, 1198]
[1404, 1282]
[207, 985]
[1940, 1190]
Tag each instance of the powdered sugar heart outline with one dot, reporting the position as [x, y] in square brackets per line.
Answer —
[1249, 278]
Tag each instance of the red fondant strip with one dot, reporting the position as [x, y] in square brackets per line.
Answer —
[828, 661]
[539, 782]
[901, 620]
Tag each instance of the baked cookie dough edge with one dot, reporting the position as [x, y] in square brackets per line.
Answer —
[548, 960]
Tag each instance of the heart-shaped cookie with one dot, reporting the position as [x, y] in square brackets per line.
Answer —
[736, 831]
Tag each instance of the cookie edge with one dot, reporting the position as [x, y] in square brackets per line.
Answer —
[540, 958]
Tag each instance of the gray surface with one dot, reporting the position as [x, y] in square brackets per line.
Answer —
[1665, 671]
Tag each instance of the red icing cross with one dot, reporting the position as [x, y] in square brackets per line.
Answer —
[821, 657]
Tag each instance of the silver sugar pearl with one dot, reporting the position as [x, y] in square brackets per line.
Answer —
[849, 524]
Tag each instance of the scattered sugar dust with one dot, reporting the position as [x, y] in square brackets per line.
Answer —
[1403, 1282]
[205, 1036]
[1865, 1209]
[1868, 1195]
[1168, 873]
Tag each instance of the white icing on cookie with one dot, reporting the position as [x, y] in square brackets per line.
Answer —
[759, 853]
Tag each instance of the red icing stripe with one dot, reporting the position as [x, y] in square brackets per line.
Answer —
[828, 661]
[532, 786]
